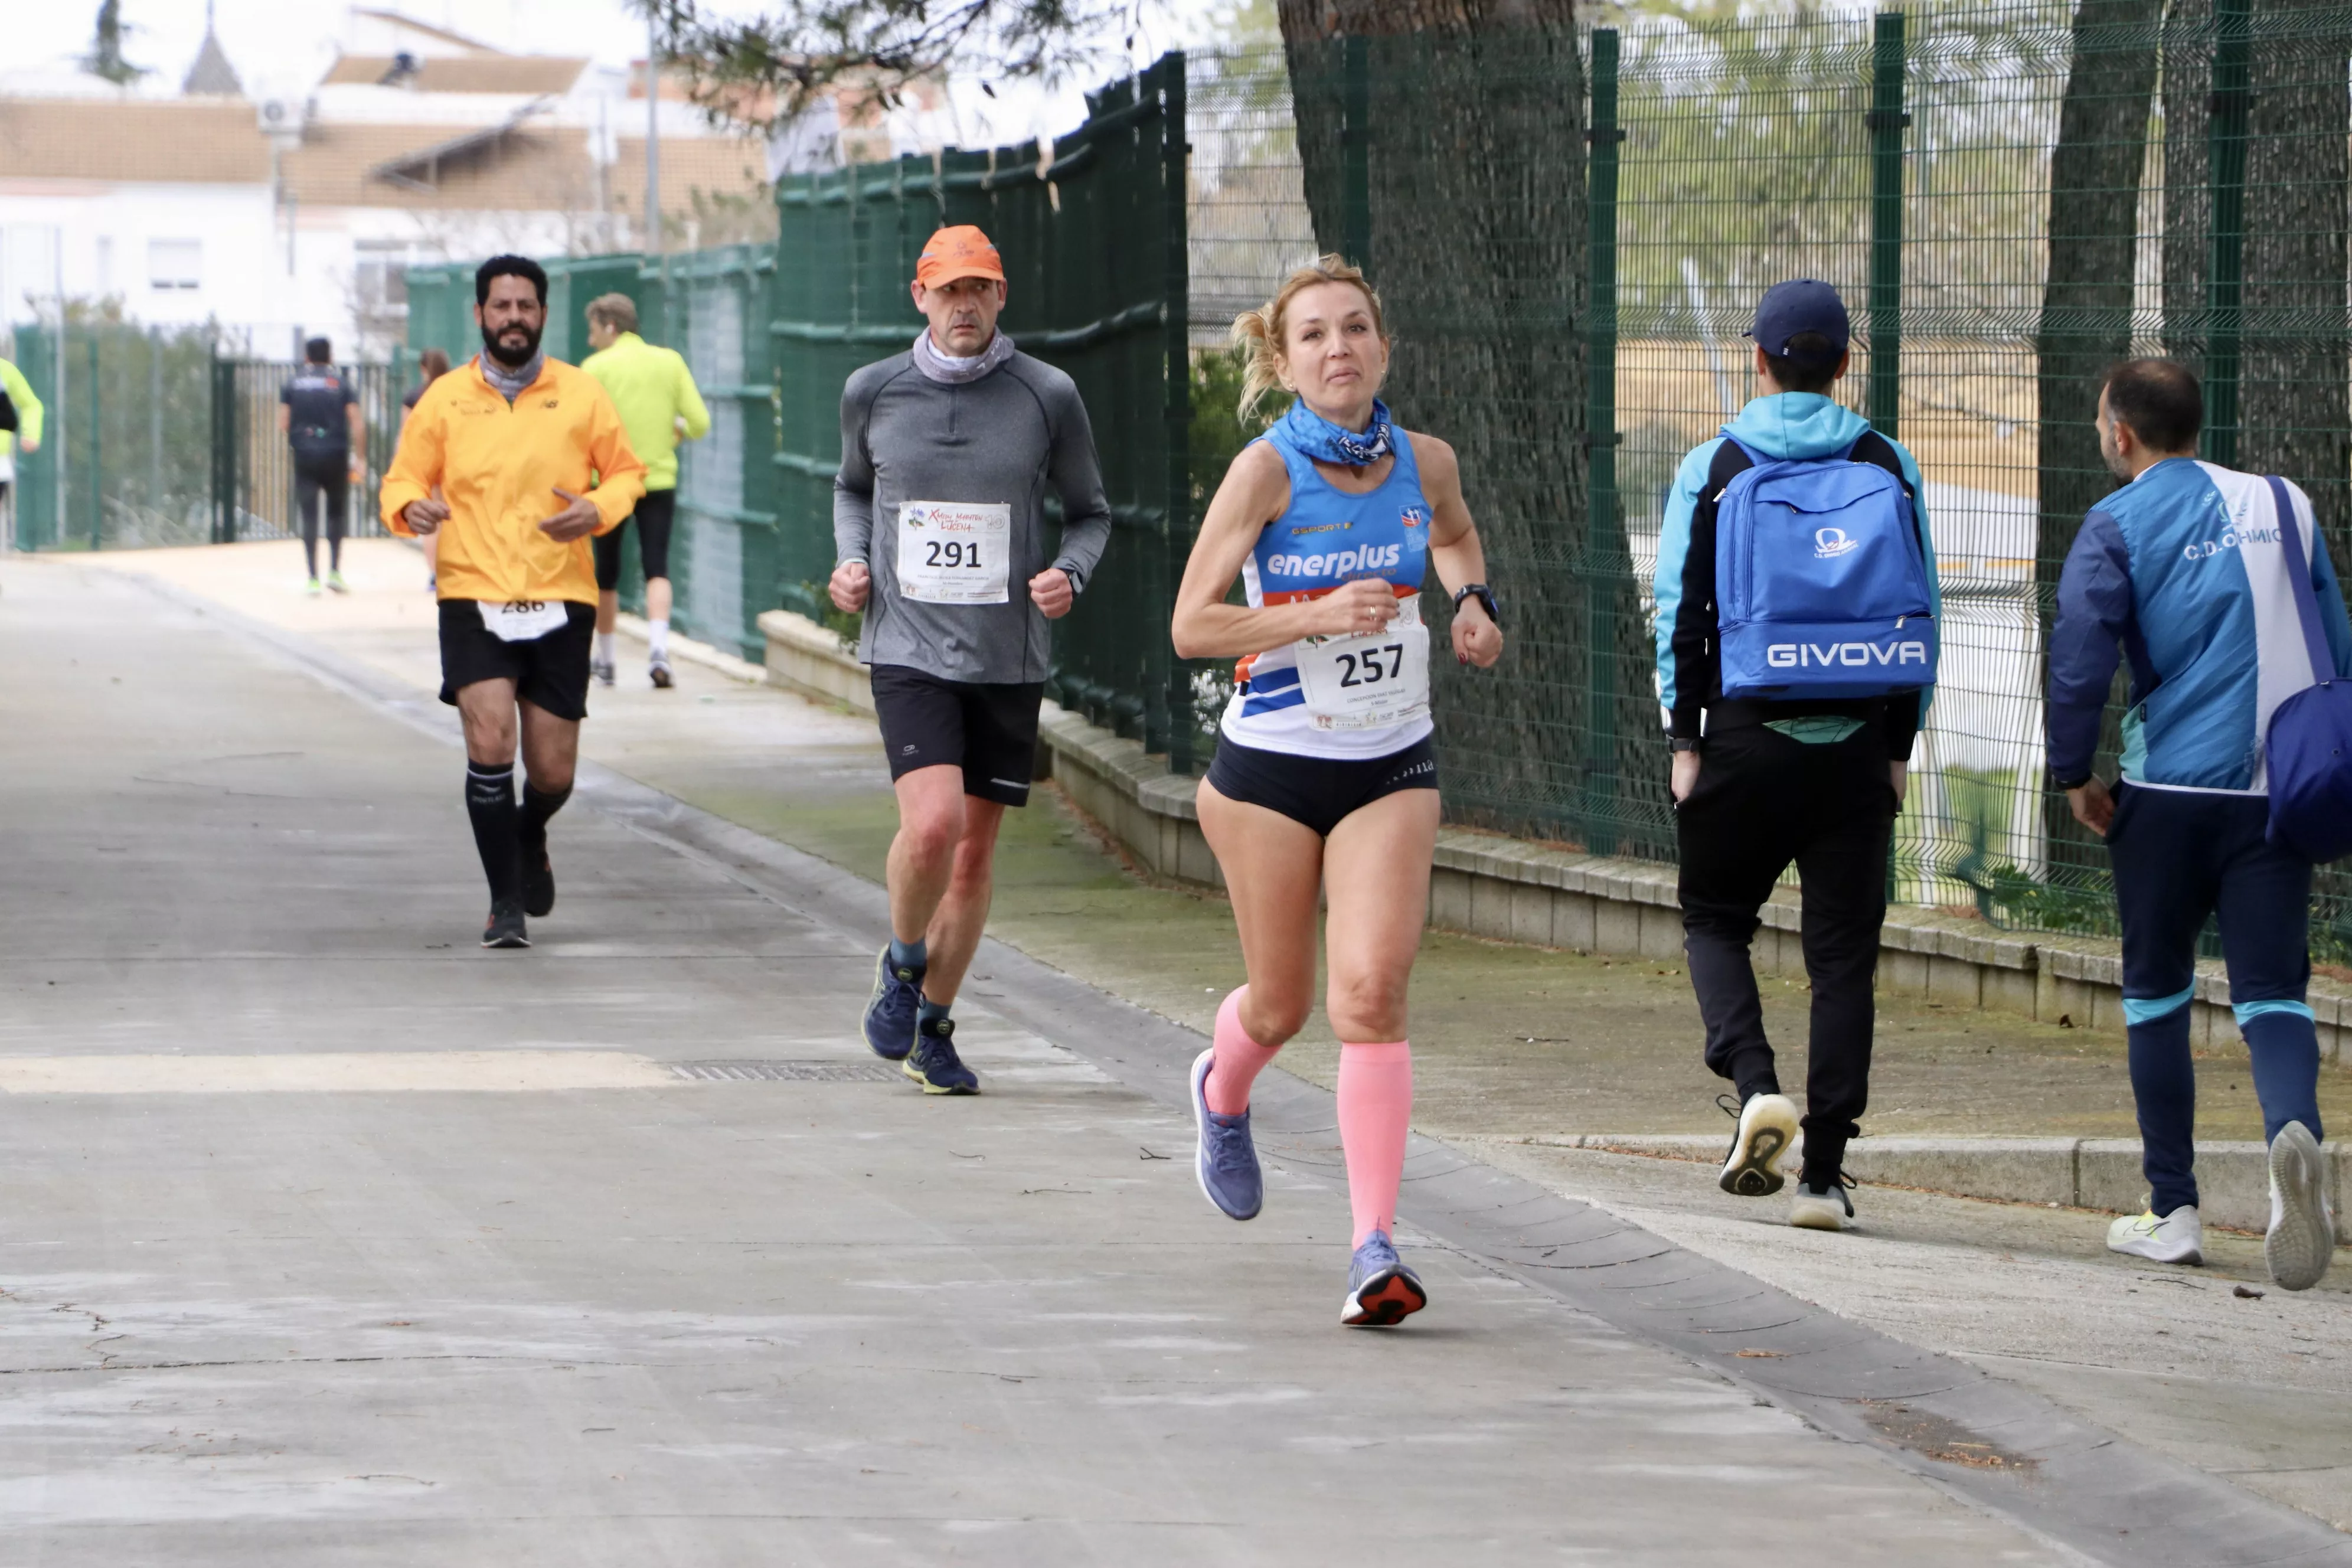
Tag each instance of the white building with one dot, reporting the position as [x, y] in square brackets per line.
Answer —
[282, 213]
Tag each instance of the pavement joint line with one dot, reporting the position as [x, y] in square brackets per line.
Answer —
[2091, 1495]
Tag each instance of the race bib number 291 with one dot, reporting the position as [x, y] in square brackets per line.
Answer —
[955, 553]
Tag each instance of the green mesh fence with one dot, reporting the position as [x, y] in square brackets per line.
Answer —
[2010, 198]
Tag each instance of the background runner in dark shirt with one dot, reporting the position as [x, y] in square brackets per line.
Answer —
[318, 410]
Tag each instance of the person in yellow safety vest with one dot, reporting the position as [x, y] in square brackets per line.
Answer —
[26, 430]
[659, 404]
[529, 460]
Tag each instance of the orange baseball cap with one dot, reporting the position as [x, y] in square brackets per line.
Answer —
[961, 251]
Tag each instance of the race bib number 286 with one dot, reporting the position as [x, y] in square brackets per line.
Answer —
[955, 553]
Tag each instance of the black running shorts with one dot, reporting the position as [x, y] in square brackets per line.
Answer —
[988, 732]
[549, 672]
[1319, 791]
[655, 515]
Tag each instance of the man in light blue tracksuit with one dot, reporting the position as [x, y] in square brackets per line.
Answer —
[2184, 568]
[1760, 784]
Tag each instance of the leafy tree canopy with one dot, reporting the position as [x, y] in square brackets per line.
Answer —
[767, 68]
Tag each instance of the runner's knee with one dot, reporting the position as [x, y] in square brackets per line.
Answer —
[1369, 1005]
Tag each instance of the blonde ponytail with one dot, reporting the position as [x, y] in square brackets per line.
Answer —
[1261, 334]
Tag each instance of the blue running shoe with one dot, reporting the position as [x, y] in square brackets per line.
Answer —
[1381, 1291]
[1227, 1161]
[890, 1012]
[935, 1065]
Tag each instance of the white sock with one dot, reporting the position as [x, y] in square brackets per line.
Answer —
[657, 634]
[604, 647]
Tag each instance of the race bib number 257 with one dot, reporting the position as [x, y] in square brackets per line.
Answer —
[955, 553]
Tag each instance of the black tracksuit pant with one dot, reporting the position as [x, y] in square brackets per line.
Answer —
[1764, 800]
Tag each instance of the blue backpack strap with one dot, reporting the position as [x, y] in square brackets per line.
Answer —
[1875, 449]
[1732, 460]
[2307, 598]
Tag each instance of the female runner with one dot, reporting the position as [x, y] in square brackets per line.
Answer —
[1324, 777]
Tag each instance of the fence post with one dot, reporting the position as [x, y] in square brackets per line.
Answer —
[97, 495]
[2225, 277]
[1601, 558]
[1886, 122]
[1175, 296]
[1356, 155]
[223, 449]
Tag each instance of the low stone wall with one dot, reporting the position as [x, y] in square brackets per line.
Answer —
[1488, 885]
[806, 658]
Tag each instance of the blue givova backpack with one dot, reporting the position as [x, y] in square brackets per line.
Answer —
[1821, 586]
[2310, 735]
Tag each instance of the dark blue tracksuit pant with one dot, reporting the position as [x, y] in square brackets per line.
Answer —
[2179, 858]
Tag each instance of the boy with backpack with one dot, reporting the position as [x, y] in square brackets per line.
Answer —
[2217, 586]
[1797, 611]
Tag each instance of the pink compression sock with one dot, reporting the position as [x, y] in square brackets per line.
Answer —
[1375, 1113]
[1237, 1063]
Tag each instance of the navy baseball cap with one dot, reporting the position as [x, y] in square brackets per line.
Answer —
[1801, 305]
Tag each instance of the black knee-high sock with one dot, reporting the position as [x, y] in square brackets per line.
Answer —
[538, 806]
[490, 803]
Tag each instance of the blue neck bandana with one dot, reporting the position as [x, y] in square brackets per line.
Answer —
[1306, 431]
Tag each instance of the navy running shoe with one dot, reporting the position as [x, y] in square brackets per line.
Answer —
[1381, 1291]
[934, 1064]
[890, 1012]
[1227, 1161]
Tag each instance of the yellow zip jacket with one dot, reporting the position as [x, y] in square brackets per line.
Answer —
[29, 408]
[498, 469]
[655, 391]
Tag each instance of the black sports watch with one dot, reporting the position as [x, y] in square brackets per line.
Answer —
[2073, 783]
[1485, 595]
[1685, 743]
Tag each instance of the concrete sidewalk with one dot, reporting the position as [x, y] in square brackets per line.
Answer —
[574, 1295]
[2253, 1389]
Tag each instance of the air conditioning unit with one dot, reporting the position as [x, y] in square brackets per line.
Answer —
[282, 118]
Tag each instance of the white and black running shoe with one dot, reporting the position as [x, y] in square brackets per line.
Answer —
[1768, 1126]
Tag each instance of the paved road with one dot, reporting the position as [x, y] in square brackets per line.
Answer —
[326, 1237]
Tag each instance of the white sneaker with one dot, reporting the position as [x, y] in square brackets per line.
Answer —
[2301, 1242]
[1824, 1208]
[1768, 1125]
[2175, 1237]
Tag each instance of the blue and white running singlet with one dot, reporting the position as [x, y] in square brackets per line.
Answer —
[1338, 697]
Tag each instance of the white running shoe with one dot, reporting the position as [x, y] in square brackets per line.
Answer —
[1768, 1125]
[2175, 1237]
[1821, 1208]
[2301, 1242]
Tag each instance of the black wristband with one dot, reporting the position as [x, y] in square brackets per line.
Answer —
[1486, 597]
[2077, 783]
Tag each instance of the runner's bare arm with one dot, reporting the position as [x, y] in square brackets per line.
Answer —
[1256, 490]
[1454, 547]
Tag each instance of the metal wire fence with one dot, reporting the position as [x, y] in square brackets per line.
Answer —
[2009, 197]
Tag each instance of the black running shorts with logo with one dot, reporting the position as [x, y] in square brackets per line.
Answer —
[655, 516]
[989, 732]
[1319, 791]
[549, 672]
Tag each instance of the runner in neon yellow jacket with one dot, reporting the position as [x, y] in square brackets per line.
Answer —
[28, 422]
[659, 404]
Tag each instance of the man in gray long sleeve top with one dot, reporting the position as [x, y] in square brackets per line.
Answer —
[939, 530]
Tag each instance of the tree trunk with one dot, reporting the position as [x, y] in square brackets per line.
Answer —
[2188, 200]
[2292, 385]
[1475, 167]
[2086, 304]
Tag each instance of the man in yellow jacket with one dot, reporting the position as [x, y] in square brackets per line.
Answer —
[27, 430]
[658, 402]
[531, 460]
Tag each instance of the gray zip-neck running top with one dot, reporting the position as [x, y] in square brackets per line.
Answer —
[994, 441]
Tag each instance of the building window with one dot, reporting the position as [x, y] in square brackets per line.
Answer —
[176, 263]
